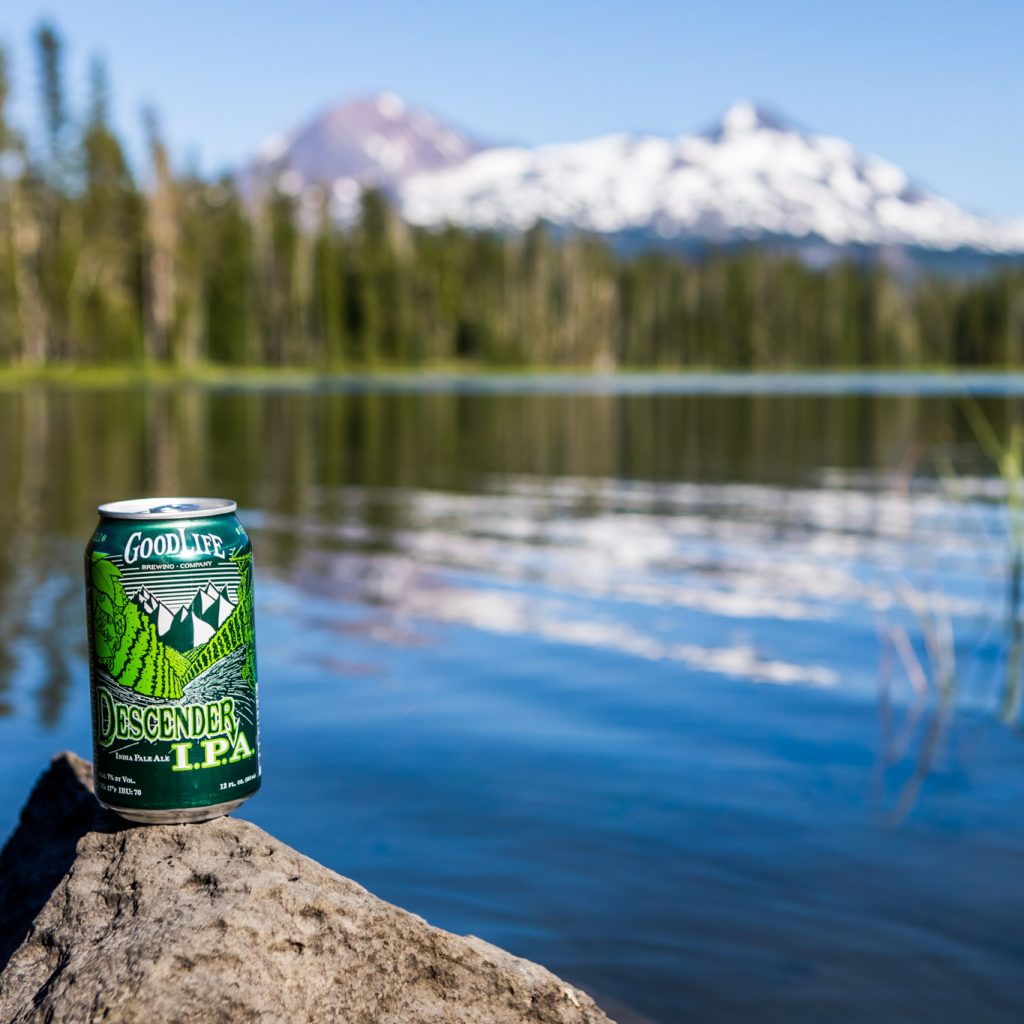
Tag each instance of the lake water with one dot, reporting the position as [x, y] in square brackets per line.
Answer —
[700, 699]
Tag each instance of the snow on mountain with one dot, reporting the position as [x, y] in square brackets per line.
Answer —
[193, 623]
[751, 176]
[201, 632]
[372, 141]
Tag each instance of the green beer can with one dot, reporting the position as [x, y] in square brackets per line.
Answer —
[172, 659]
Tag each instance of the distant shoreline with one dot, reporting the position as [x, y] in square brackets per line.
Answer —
[539, 380]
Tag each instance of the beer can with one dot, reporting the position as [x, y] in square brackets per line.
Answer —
[172, 659]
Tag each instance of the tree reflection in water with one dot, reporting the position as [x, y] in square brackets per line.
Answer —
[320, 458]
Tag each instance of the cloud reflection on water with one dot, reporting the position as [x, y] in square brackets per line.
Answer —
[702, 575]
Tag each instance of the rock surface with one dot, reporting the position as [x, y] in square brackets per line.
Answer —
[102, 921]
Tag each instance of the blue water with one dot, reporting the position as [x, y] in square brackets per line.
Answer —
[698, 700]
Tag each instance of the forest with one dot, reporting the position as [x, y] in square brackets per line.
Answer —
[105, 264]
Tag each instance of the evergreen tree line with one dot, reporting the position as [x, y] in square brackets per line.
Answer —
[102, 266]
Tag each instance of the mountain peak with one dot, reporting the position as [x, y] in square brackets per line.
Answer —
[373, 140]
[390, 105]
[745, 116]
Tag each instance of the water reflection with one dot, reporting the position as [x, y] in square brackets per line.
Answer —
[696, 652]
[600, 520]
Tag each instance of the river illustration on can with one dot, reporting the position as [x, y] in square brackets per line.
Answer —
[172, 659]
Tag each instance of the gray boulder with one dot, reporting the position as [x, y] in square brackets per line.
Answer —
[102, 921]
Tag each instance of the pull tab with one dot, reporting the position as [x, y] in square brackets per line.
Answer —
[183, 507]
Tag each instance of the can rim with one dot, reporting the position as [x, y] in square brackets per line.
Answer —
[156, 508]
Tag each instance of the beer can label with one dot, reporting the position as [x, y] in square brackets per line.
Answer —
[173, 663]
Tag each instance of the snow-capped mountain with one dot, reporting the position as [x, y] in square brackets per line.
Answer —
[193, 623]
[372, 141]
[751, 176]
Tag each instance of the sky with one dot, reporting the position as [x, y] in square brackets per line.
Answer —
[934, 87]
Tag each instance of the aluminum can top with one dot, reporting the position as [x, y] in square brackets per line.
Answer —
[167, 508]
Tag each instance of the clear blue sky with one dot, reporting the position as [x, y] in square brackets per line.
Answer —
[937, 88]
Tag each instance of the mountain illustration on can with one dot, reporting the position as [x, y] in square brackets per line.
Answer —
[194, 623]
[172, 659]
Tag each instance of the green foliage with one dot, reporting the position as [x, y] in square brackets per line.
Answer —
[96, 268]
[125, 642]
[227, 281]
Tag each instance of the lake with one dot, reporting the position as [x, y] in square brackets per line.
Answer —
[701, 694]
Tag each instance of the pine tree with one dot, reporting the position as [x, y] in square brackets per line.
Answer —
[163, 215]
[328, 316]
[104, 302]
[49, 49]
[231, 338]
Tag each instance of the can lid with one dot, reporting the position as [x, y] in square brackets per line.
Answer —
[167, 508]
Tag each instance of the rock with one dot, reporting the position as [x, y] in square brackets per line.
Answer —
[103, 921]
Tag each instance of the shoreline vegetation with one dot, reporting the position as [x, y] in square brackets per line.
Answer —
[168, 272]
[952, 380]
